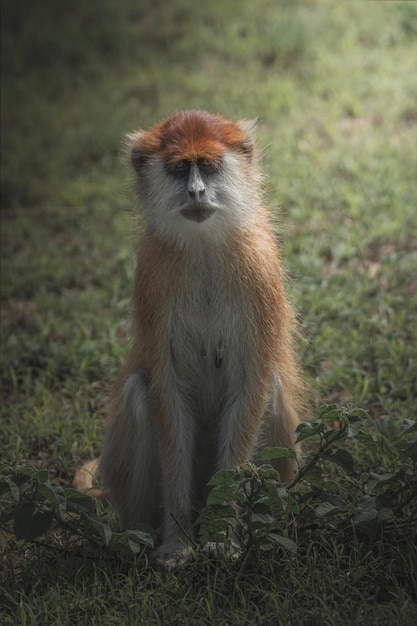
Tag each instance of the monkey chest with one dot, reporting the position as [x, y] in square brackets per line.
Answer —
[209, 334]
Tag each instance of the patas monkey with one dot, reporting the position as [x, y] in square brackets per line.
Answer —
[211, 376]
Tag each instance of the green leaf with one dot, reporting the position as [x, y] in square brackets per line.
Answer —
[335, 499]
[7, 484]
[375, 480]
[385, 514]
[49, 494]
[6, 513]
[407, 427]
[269, 454]
[78, 502]
[223, 493]
[335, 436]
[409, 452]
[410, 476]
[137, 539]
[219, 511]
[326, 508]
[366, 520]
[265, 544]
[131, 541]
[224, 477]
[268, 474]
[370, 520]
[98, 526]
[284, 542]
[340, 456]
[54, 495]
[277, 494]
[212, 527]
[368, 503]
[43, 475]
[357, 413]
[260, 520]
[330, 413]
[307, 430]
[26, 471]
[31, 522]
[246, 469]
[367, 440]
[367, 523]
[355, 426]
[314, 476]
[261, 515]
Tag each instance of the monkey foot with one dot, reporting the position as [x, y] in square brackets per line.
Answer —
[171, 557]
[217, 549]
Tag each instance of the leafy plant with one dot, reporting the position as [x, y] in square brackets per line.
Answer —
[33, 506]
[248, 509]
[251, 507]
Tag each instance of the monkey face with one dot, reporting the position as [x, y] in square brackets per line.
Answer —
[196, 176]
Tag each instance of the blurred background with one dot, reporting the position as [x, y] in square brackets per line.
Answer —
[334, 87]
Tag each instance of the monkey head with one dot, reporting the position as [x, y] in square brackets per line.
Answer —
[196, 175]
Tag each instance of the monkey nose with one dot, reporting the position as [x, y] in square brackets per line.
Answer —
[196, 193]
[196, 188]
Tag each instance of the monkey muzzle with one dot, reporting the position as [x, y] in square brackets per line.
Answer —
[198, 212]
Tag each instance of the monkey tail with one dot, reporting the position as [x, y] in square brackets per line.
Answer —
[84, 480]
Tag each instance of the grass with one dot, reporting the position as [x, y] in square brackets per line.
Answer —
[334, 86]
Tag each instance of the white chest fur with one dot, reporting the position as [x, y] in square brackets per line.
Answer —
[208, 332]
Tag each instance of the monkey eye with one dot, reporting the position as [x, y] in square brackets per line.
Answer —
[207, 164]
[180, 166]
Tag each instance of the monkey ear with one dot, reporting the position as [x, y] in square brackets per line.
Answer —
[132, 149]
[248, 127]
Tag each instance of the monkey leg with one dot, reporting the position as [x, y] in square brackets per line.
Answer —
[250, 422]
[280, 422]
[129, 465]
[240, 424]
[176, 436]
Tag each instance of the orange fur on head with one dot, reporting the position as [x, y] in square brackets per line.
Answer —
[192, 134]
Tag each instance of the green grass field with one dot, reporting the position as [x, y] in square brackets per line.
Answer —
[334, 87]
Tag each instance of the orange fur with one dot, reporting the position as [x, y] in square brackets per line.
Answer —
[84, 480]
[187, 135]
